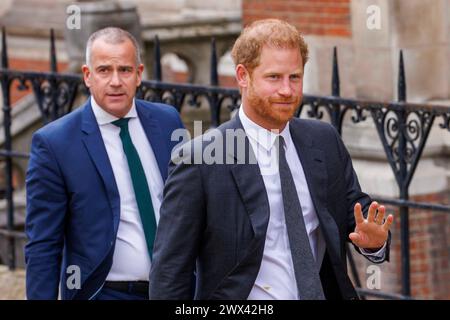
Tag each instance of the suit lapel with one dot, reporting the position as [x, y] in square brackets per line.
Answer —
[95, 146]
[154, 135]
[250, 184]
[312, 159]
[254, 196]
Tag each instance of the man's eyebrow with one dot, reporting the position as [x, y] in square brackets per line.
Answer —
[295, 73]
[102, 66]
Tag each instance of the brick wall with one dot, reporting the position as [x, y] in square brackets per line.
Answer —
[430, 250]
[311, 17]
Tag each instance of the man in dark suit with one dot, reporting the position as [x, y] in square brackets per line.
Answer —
[95, 181]
[270, 216]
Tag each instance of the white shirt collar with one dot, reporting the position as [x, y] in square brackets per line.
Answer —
[104, 117]
[265, 138]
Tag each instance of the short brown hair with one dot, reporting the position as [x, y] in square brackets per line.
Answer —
[112, 35]
[272, 32]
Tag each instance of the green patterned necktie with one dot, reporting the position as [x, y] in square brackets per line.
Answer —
[140, 186]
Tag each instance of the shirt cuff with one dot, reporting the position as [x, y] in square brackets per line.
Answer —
[378, 254]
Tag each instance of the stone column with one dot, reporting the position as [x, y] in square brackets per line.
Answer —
[230, 5]
[419, 28]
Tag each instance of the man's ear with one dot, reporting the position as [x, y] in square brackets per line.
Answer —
[86, 75]
[242, 76]
[140, 70]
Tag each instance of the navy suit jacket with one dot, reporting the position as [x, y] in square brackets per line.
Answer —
[73, 204]
[219, 227]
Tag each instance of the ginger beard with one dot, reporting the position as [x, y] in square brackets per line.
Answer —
[277, 110]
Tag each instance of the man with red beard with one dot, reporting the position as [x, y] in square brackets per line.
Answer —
[270, 217]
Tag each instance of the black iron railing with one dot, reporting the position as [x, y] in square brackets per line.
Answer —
[403, 129]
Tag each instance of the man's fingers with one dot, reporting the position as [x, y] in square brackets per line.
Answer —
[372, 210]
[380, 215]
[359, 218]
[387, 224]
[354, 237]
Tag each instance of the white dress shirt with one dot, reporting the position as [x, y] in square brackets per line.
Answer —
[131, 261]
[276, 277]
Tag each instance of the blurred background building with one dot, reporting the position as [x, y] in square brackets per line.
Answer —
[368, 35]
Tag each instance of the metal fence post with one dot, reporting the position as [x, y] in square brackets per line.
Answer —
[52, 79]
[157, 74]
[6, 85]
[214, 81]
[336, 119]
[403, 186]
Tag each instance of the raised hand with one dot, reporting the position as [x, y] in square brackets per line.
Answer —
[372, 232]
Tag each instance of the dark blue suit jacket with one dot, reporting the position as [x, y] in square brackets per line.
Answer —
[219, 227]
[73, 204]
